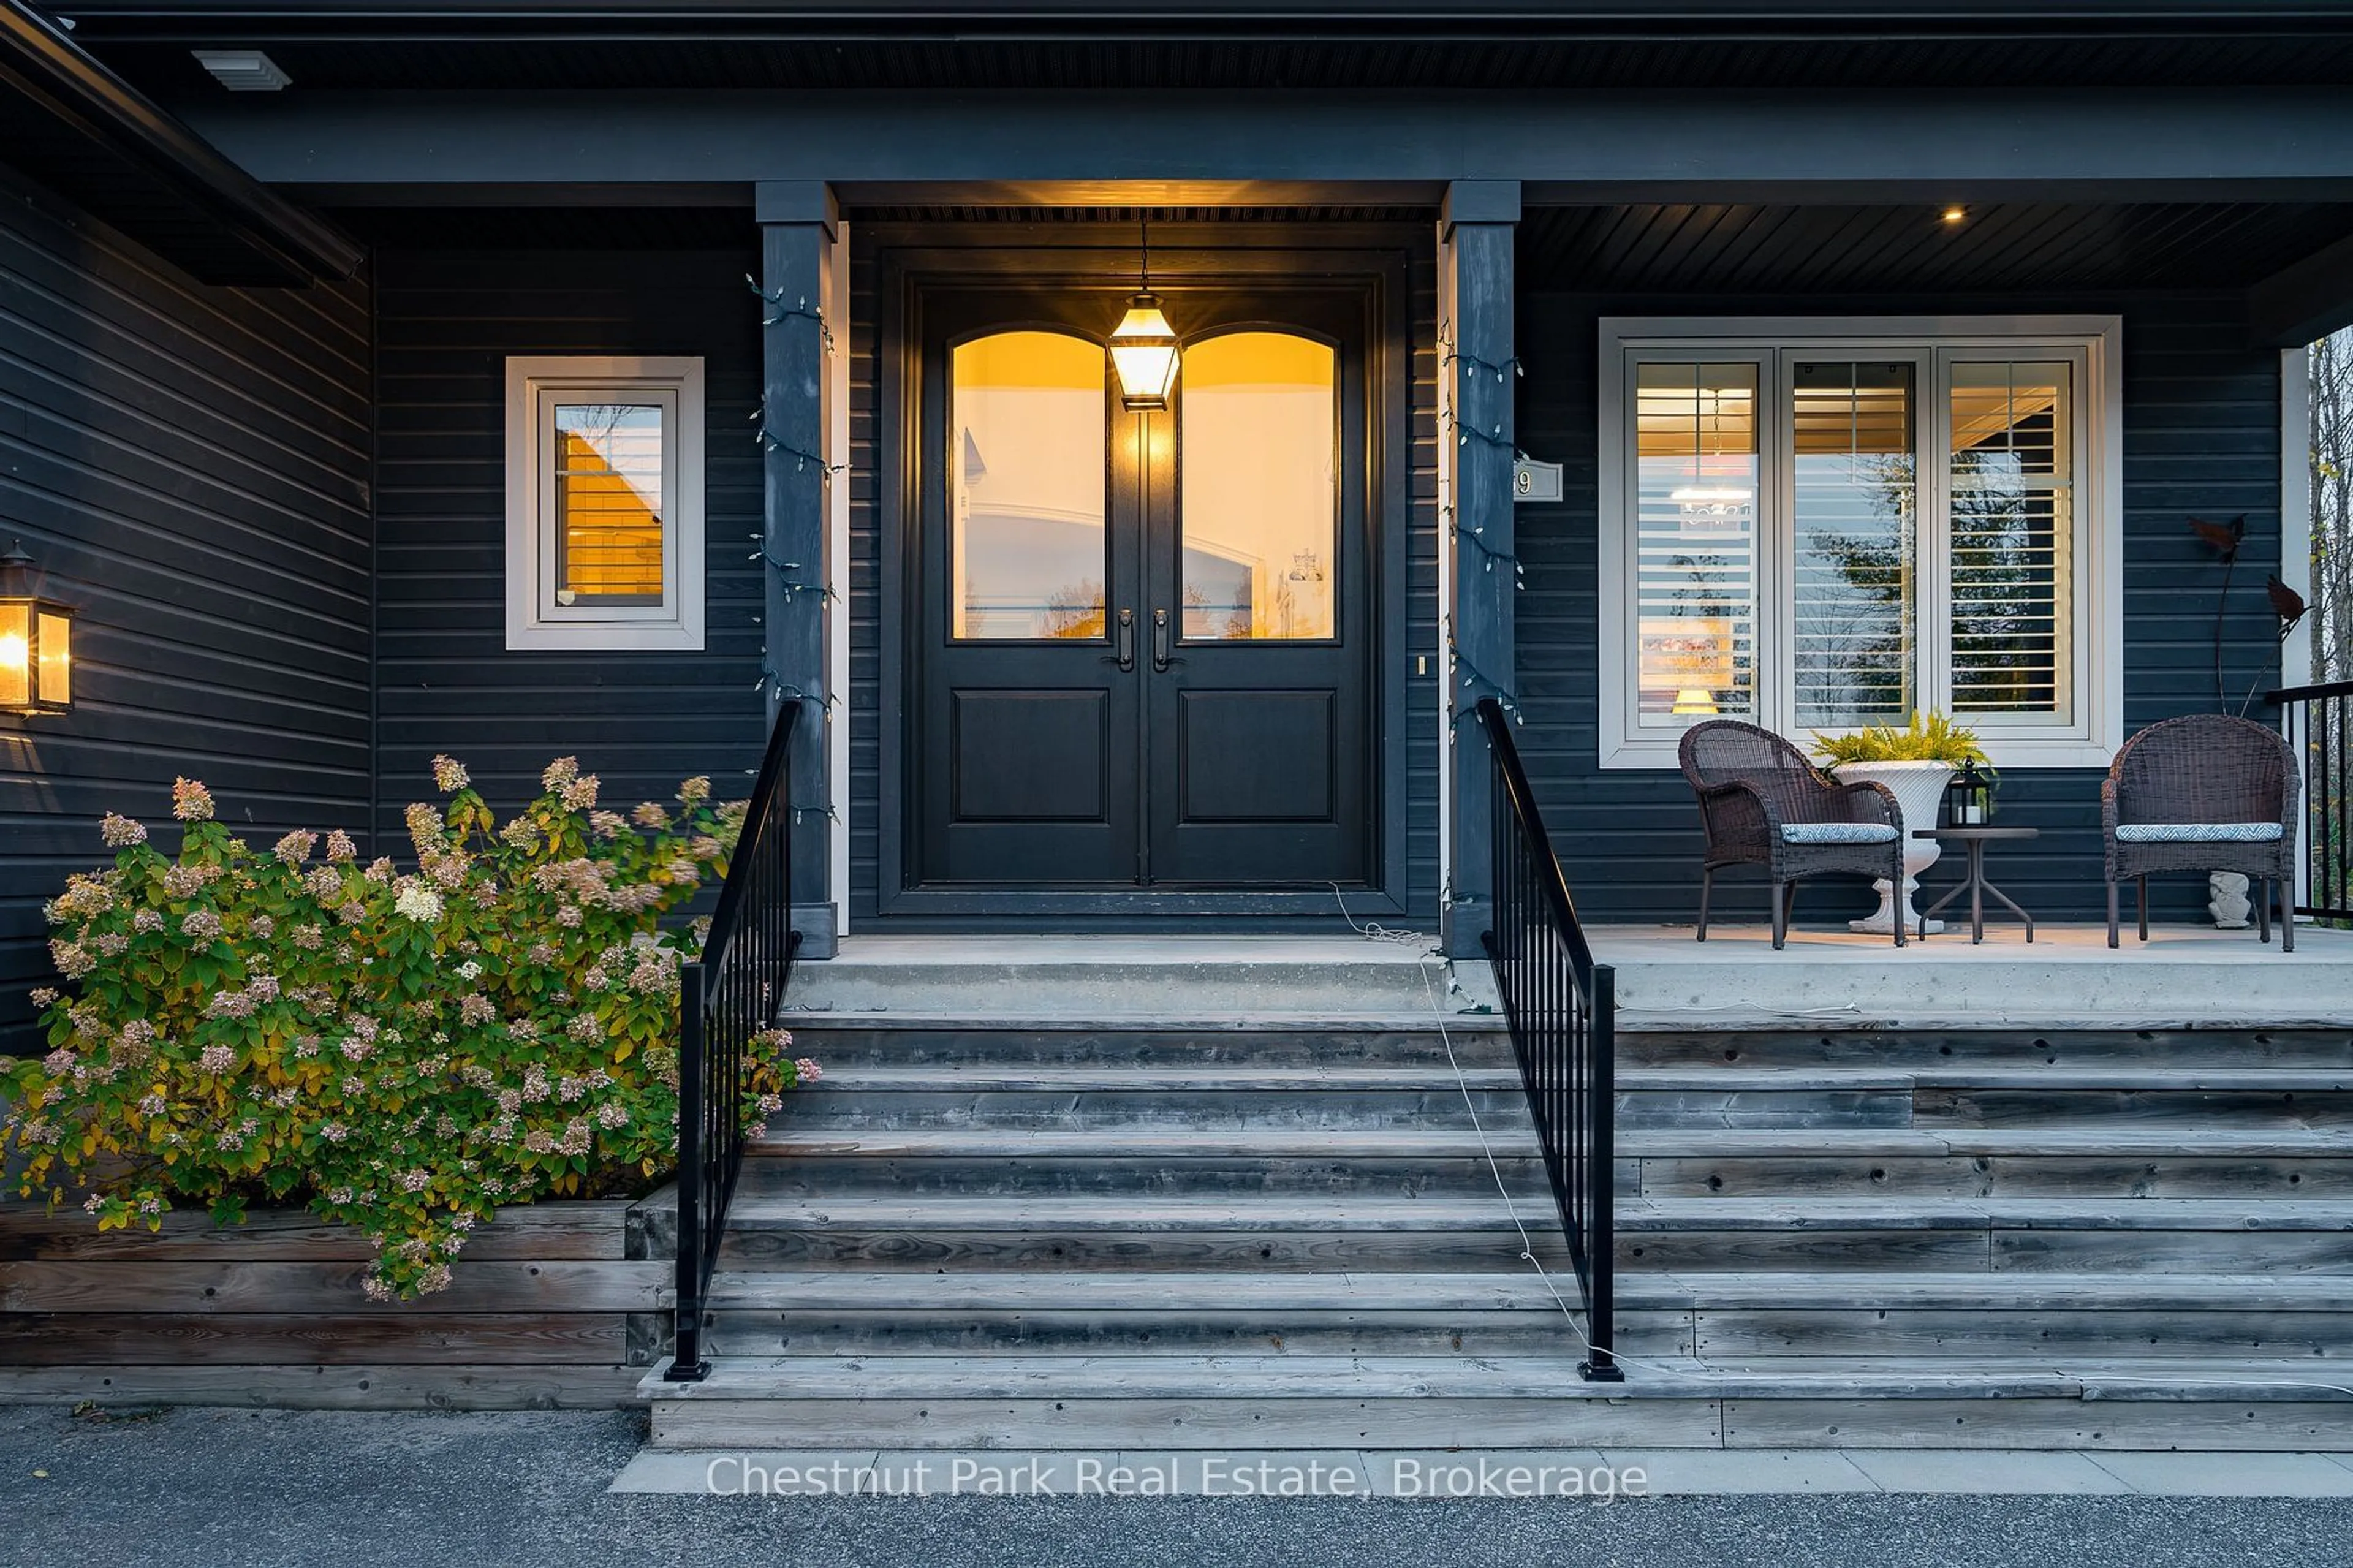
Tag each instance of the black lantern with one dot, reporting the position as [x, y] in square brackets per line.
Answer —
[1144, 346]
[1968, 797]
[36, 642]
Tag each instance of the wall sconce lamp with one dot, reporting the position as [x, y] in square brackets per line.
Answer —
[36, 642]
[1144, 346]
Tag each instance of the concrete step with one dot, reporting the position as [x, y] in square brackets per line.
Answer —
[1095, 979]
[1351, 1403]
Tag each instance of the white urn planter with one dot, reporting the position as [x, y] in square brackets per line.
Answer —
[1919, 789]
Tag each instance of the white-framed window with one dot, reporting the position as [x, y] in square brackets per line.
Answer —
[1817, 523]
[604, 462]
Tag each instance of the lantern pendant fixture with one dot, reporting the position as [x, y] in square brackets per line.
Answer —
[36, 642]
[1144, 346]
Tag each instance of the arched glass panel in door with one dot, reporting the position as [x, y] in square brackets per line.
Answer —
[1258, 482]
[1027, 531]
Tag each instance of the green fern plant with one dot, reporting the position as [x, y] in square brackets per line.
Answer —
[1930, 738]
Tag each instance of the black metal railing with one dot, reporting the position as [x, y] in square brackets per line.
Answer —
[2319, 722]
[725, 998]
[1563, 1010]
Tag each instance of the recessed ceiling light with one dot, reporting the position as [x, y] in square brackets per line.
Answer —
[1955, 215]
[242, 71]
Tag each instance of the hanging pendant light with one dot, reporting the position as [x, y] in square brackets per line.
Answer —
[1144, 346]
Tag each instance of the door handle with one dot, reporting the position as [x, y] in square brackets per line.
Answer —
[1160, 660]
[1126, 640]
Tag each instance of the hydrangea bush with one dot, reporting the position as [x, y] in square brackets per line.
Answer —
[404, 1051]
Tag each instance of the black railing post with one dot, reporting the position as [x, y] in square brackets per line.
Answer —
[1562, 1008]
[1602, 1183]
[732, 994]
[687, 1364]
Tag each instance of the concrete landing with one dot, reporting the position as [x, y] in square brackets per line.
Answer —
[1441, 1474]
[2068, 978]
[1191, 978]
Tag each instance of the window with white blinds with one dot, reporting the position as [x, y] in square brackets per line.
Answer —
[1695, 578]
[2011, 503]
[1853, 496]
[1816, 526]
[604, 503]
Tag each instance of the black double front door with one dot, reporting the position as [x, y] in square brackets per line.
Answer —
[1146, 635]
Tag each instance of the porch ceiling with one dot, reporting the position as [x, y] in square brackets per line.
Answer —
[1377, 44]
[2004, 247]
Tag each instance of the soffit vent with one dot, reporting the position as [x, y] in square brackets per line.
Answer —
[242, 71]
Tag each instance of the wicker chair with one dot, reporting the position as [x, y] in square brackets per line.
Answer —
[1764, 805]
[2205, 793]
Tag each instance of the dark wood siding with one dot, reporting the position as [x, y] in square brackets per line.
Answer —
[189, 464]
[447, 322]
[2201, 437]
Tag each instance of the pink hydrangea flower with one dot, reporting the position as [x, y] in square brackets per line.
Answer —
[190, 800]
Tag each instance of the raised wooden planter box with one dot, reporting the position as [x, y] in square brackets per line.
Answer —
[553, 1304]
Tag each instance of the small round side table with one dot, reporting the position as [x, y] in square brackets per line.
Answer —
[1975, 840]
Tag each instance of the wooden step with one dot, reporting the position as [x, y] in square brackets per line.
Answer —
[2127, 1049]
[1184, 1077]
[2112, 1236]
[1424, 1096]
[1994, 1142]
[1177, 1143]
[1462, 1174]
[1514, 1310]
[1164, 1234]
[1130, 1313]
[1237, 1231]
[911, 1040]
[2245, 1163]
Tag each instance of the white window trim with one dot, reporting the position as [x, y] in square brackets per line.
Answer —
[534, 619]
[2094, 341]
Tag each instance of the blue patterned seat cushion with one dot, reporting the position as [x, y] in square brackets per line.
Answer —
[1837, 833]
[2197, 832]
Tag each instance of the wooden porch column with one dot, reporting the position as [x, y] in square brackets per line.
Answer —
[798, 221]
[1477, 226]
